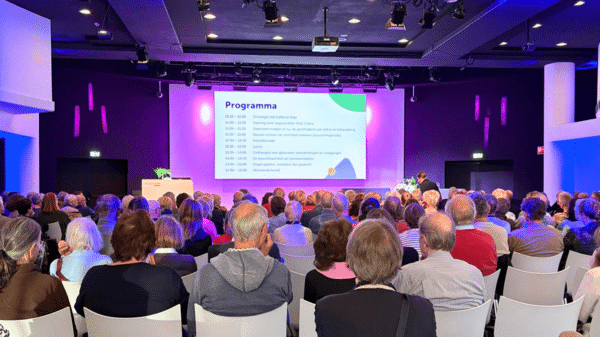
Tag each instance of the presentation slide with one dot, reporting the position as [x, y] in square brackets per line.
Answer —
[262, 135]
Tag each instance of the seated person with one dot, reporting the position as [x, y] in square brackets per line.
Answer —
[166, 205]
[131, 287]
[393, 205]
[581, 239]
[277, 208]
[169, 238]
[410, 238]
[70, 206]
[197, 240]
[293, 233]
[374, 254]
[409, 254]
[244, 280]
[83, 243]
[50, 214]
[24, 291]
[590, 288]
[207, 207]
[332, 275]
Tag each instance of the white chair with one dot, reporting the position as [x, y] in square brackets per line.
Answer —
[298, 291]
[595, 325]
[201, 260]
[306, 250]
[575, 260]
[579, 274]
[269, 324]
[308, 327]
[54, 324]
[536, 264]
[166, 323]
[490, 290]
[299, 264]
[54, 232]
[516, 319]
[188, 281]
[72, 289]
[452, 323]
[535, 288]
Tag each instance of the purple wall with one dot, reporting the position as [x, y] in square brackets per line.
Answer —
[441, 127]
[137, 123]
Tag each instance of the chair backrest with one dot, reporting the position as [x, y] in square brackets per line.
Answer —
[535, 288]
[298, 291]
[595, 325]
[536, 264]
[452, 323]
[201, 260]
[269, 324]
[490, 290]
[55, 324]
[306, 250]
[579, 274]
[299, 264]
[72, 289]
[54, 232]
[575, 260]
[165, 323]
[308, 327]
[516, 319]
[188, 281]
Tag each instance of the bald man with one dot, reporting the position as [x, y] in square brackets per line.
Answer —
[449, 284]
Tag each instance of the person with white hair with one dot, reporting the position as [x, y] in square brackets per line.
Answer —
[71, 203]
[125, 202]
[431, 199]
[82, 207]
[83, 241]
[293, 233]
[244, 280]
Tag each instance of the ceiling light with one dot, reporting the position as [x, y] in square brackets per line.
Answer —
[335, 79]
[369, 72]
[354, 20]
[427, 19]
[203, 5]
[403, 41]
[238, 70]
[85, 11]
[396, 21]
[256, 75]
[537, 25]
[142, 53]
[210, 16]
[103, 32]
[561, 44]
[503, 43]
[212, 36]
[277, 37]
[285, 19]
[579, 3]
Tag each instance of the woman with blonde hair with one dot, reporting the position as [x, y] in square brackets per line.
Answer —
[169, 238]
[197, 240]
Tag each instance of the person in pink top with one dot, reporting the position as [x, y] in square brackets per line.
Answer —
[332, 275]
[208, 226]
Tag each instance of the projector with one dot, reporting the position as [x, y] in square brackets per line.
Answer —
[325, 44]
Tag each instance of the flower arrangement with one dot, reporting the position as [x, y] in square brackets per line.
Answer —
[163, 173]
[408, 184]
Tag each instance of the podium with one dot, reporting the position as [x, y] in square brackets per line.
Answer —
[152, 189]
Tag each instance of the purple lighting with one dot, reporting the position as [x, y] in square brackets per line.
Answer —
[77, 123]
[104, 124]
[90, 97]
[503, 110]
[476, 107]
[486, 132]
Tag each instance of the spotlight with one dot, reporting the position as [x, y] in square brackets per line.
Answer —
[389, 81]
[189, 75]
[396, 22]
[434, 74]
[272, 17]
[203, 5]
[142, 53]
[369, 72]
[427, 19]
[256, 75]
[238, 69]
[459, 11]
[160, 69]
[335, 79]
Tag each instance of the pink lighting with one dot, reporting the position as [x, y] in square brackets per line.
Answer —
[503, 110]
[77, 122]
[104, 123]
[486, 132]
[90, 97]
[205, 114]
[476, 107]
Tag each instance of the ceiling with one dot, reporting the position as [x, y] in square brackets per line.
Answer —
[175, 31]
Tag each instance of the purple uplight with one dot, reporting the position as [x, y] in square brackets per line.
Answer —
[104, 124]
[77, 123]
[90, 97]
[476, 107]
[503, 110]
[486, 132]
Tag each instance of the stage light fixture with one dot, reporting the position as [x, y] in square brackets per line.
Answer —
[389, 81]
[210, 16]
[428, 17]
[85, 11]
[503, 43]
[238, 70]
[434, 75]
[396, 21]
[103, 32]
[203, 5]
[256, 75]
[459, 11]
[272, 17]
[369, 72]
[189, 75]
[561, 44]
[142, 53]
[335, 79]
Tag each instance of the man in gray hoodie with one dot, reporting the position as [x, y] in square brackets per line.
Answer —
[245, 280]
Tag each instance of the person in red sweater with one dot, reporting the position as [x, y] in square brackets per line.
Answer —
[472, 245]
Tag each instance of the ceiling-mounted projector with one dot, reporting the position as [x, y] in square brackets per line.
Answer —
[325, 44]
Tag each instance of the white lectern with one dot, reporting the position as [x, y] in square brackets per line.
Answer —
[152, 189]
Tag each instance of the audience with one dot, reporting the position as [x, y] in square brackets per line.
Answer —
[3, 219]
[393, 205]
[431, 199]
[293, 233]
[130, 287]
[373, 307]
[216, 214]
[547, 220]
[82, 206]
[50, 213]
[197, 240]
[107, 209]
[340, 205]
[208, 226]
[449, 284]
[19, 206]
[331, 275]
[350, 195]
[125, 203]
[169, 238]
[244, 280]
[326, 215]
[277, 208]
[492, 202]
[409, 254]
[581, 239]
[24, 291]
[367, 205]
[315, 211]
[472, 245]
[410, 238]
[482, 223]
[82, 246]
[278, 192]
[426, 184]
[354, 208]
